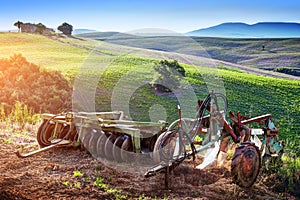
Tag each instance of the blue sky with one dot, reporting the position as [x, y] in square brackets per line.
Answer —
[116, 15]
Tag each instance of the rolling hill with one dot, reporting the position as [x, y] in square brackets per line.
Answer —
[246, 92]
[48, 53]
[112, 75]
[258, 30]
[106, 35]
[269, 54]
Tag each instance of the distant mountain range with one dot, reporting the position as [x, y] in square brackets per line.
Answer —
[225, 30]
[82, 31]
[242, 30]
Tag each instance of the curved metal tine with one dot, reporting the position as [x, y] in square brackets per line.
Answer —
[220, 96]
[203, 106]
[181, 133]
[45, 127]
[69, 131]
[223, 97]
[189, 129]
[199, 118]
[181, 142]
[216, 103]
[195, 125]
[188, 137]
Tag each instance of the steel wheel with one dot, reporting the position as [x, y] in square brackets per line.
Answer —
[246, 164]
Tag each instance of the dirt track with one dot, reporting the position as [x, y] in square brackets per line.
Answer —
[50, 175]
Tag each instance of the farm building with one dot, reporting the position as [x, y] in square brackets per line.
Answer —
[31, 28]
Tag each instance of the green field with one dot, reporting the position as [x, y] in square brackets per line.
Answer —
[270, 54]
[258, 53]
[46, 52]
[251, 94]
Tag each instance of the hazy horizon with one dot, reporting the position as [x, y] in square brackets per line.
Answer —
[123, 16]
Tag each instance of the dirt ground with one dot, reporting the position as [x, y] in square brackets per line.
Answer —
[69, 173]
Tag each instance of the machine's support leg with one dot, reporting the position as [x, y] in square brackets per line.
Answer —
[167, 173]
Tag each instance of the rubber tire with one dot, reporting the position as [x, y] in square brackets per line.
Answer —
[245, 165]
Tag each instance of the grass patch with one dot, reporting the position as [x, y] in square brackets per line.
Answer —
[77, 174]
[44, 52]
[99, 183]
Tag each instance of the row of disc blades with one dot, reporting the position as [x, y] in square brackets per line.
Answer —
[111, 146]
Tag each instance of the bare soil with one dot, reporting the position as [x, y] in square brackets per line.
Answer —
[50, 175]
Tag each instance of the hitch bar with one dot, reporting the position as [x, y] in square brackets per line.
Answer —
[56, 143]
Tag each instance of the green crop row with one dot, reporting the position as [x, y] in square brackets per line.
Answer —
[250, 94]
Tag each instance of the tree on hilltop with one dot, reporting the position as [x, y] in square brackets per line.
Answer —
[66, 28]
[40, 28]
[169, 74]
[39, 89]
[18, 24]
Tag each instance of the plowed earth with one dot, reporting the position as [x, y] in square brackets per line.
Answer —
[50, 175]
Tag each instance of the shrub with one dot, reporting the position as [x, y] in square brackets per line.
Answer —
[33, 88]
